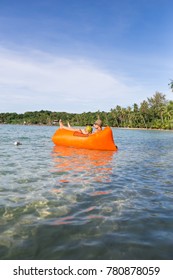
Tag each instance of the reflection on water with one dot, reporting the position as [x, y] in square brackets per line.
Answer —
[81, 173]
[79, 166]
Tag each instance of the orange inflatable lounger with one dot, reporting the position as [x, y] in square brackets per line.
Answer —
[102, 140]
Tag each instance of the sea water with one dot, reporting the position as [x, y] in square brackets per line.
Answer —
[65, 203]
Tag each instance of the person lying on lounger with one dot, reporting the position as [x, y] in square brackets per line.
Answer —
[87, 130]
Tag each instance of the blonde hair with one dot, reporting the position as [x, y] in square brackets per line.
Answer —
[99, 122]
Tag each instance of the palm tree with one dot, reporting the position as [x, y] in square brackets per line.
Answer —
[145, 112]
[171, 85]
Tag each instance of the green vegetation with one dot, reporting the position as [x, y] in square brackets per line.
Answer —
[155, 112]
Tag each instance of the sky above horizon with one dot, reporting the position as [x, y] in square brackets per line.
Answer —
[84, 55]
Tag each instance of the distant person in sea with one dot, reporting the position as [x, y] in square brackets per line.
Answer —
[87, 130]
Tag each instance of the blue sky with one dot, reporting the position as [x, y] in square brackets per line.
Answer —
[83, 55]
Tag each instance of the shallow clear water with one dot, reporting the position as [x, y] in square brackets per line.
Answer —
[65, 203]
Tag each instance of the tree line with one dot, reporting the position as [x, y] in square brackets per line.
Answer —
[154, 113]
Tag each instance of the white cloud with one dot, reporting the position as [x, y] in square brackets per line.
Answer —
[37, 80]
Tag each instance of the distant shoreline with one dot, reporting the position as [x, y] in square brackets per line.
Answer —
[142, 128]
[123, 128]
[155, 113]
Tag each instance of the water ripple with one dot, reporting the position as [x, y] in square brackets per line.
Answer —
[65, 203]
